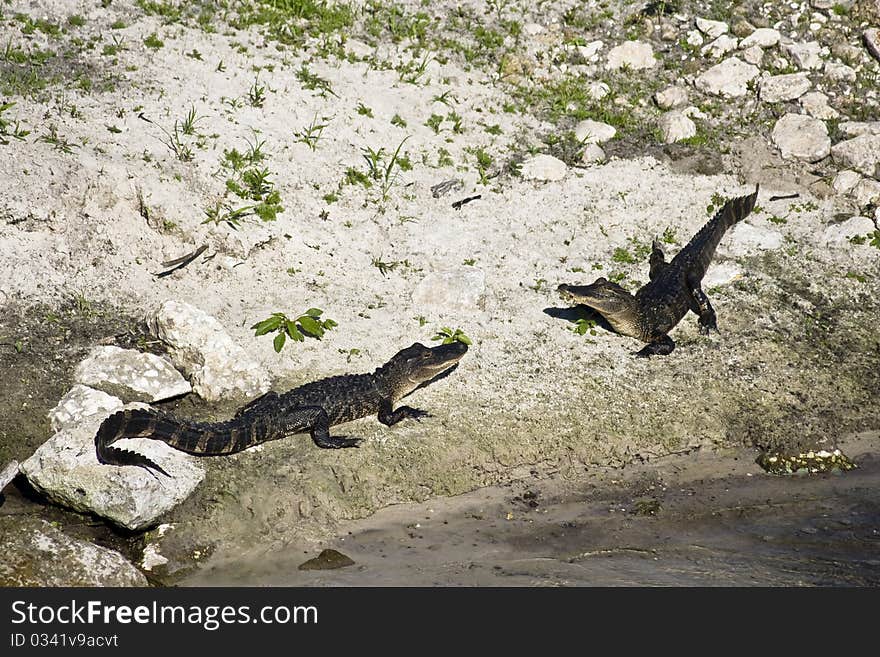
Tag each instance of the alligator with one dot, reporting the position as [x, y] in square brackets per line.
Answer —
[313, 407]
[673, 289]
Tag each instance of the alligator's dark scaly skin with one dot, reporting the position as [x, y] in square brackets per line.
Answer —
[673, 290]
[313, 407]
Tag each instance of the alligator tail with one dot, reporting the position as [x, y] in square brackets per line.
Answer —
[195, 438]
[699, 251]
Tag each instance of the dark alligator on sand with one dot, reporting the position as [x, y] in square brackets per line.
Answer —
[674, 287]
[313, 407]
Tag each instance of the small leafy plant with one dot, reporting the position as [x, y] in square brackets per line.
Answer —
[311, 134]
[308, 324]
[448, 336]
[584, 326]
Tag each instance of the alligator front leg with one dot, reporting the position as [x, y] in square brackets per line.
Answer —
[657, 261]
[390, 417]
[660, 346]
[314, 420]
[700, 305]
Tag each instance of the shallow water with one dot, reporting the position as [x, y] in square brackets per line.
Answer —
[690, 519]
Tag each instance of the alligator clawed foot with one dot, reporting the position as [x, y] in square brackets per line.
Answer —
[338, 442]
[418, 414]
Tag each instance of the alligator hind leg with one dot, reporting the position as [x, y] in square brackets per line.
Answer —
[314, 420]
[661, 346]
[390, 417]
[700, 305]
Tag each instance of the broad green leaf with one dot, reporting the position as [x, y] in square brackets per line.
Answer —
[267, 325]
[296, 335]
[329, 324]
[311, 326]
[279, 341]
[461, 337]
[314, 312]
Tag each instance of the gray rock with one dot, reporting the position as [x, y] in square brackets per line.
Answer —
[8, 473]
[632, 54]
[590, 52]
[861, 153]
[35, 554]
[801, 137]
[675, 126]
[858, 128]
[822, 4]
[593, 154]
[806, 55]
[544, 168]
[778, 88]
[593, 132]
[712, 29]
[849, 54]
[763, 37]
[199, 346]
[840, 234]
[816, 105]
[746, 238]
[720, 46]
[866, 192]
[871, 38]
[753, 55]
[840, 72]
[461, 288]
[66, 470]
[845, 180]
[79, 403]
[131, 375]
[729, 78]
[671, 97]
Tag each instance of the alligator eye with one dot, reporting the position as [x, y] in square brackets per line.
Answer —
[426, 355]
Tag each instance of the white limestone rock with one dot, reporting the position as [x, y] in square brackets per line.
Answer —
[806, 55]
[861, 153]
[778, 88]
[866, 192]
[721, 273]
[79, 403]
[763, 37]
[598, 90]
[593, 132]
[729, 78]
[593, 154]
[461, 288]
[201, 348]
[132, 375]
[858, 128]
[816, 105]
[66, 469]
[839, 234]
[745, 238]
[845, 180]
[675, 126]
[8, 473]
[632, 54]
[720, 46]
[801, 137]
[36, 554]
[840, 72]
[753, 55]
[671, 98]
[542, 167]
[712, 29]
[871, 39]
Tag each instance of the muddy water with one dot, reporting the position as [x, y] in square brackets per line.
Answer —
[694, 519]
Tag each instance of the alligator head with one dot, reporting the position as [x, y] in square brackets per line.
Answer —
[613, 302]
[418, 365]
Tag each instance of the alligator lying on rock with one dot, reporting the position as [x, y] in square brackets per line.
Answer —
[674, 287]
[313, 407]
